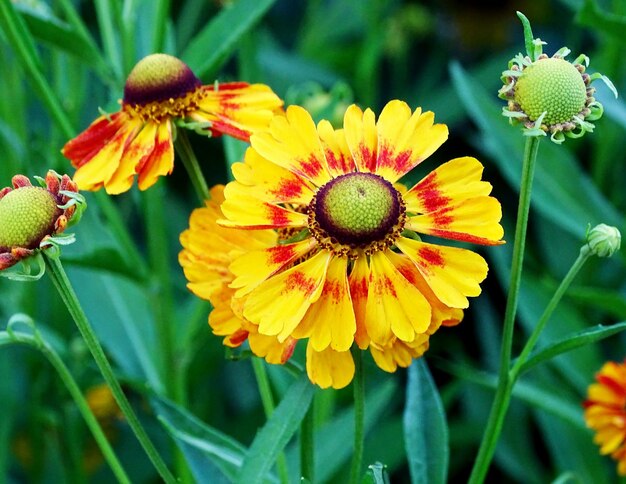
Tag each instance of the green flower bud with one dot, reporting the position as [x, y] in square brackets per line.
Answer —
[604, 240]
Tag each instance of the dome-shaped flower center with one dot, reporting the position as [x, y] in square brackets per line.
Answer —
[27, 214]
[357, 208]
[554, 86]
[159, 77]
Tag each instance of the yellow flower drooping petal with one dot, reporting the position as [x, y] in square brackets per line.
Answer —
[160, 91]
[329, 368]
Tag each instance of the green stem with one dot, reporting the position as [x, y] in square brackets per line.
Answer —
[62, 283]
[188, 157]
[267, 399]
[105, 14]
[505, 385]
[307, 445]
[583, 255]
[358, 385]
[75, 392]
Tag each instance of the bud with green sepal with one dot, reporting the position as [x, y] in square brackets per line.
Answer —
[33, 217]
[550, 95]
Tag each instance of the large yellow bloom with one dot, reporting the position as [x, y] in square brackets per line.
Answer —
[138, 139]
[605, 412]
[349, 265]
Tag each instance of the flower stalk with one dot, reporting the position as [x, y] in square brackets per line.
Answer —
[505, 383]
[62, 284]
[358, 386]
[188, 157]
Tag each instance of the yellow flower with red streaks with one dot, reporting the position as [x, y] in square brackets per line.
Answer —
[137, 141]
[356, 268]
[208, 250]
[605, 412]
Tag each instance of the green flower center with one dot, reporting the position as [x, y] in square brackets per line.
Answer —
[27, 214]
[357, 208]
[553, 86]
[159, 77]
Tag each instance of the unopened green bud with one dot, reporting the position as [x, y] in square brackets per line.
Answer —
[604, 240]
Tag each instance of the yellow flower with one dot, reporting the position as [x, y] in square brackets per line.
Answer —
[605, 412]
[208, 250]
[31, 216]
[138, 139]
[348, 265]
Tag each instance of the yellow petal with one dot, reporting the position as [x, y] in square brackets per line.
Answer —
[394, 306]
[359, 282]
[252, 268]
[293, 143]
[161, 160]
[405, 139]
[278, 305]
[247, 212]
[97, 171]
[338, 157]
[135, 153]
[361, 136]
[452, 273]
[266, 181]
[330, 320]
[398, 353]
[329, 368]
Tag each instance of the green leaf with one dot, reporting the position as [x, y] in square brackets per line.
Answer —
[49, 29]
[211, 455]
[276, 433]
[571, 342]
[106, 259]
[425, 427]
[570, 202]
[210, 48]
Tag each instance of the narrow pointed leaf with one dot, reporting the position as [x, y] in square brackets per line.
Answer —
[276, 433]
[425, 428]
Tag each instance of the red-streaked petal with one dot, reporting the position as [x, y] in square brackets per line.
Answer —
[452, 273]
[161, 160]
[237, 109]
[278, 305]
[329, 368]
[246, 212]
[252, 268]
[338, 157]
[362, 137]
[395, 308]
[405, 139]
[98, 169]
[134, 155]
[81, 149]
[359, 282]
[330, 320]
[266, 181]
[294, 144]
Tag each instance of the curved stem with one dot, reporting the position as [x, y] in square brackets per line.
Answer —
[188, 157]
[505, 384]
[583, 255]
[268, 406]
[75, 392]
[359, 415]
[62, 283]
